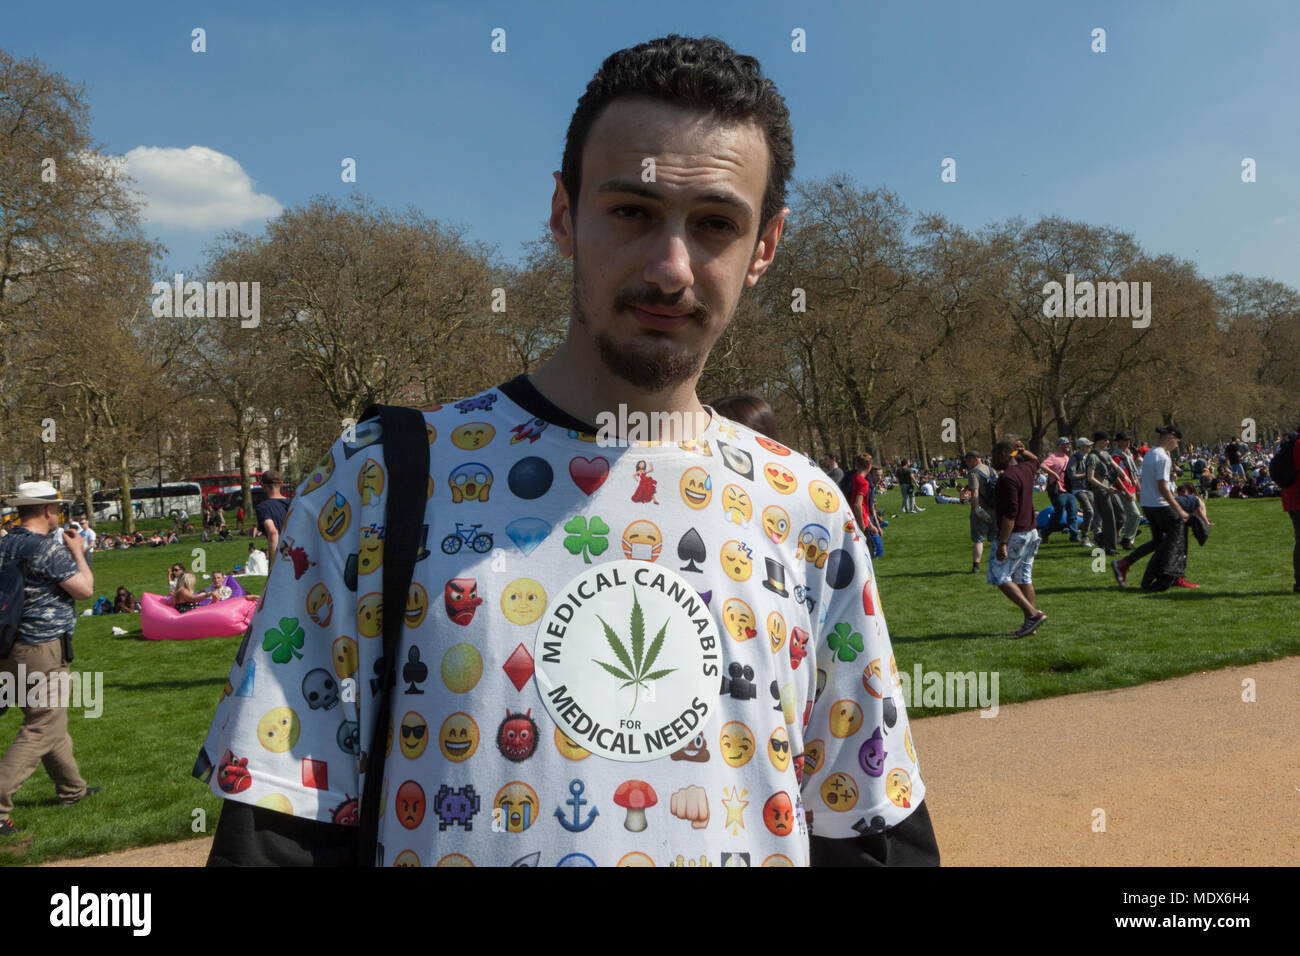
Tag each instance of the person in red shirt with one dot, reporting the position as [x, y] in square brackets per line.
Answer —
[1011, 569]
[860, 493]
[1291, 505]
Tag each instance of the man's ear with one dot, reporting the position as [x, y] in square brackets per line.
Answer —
[561, 221]
[765, 248]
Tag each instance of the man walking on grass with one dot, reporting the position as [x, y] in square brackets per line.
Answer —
[1166, 516]
[1012, 566]
[980, 478]
[55, 576]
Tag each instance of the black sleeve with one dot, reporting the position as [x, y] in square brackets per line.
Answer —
[255, 836]
[911, 843]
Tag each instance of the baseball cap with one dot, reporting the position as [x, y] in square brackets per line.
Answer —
[1169, 430]
[1083, 442]
[1063, 440]
[972, 454]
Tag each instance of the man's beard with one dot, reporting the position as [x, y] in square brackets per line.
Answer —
[647, 366]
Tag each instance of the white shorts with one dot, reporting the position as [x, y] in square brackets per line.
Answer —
[1019, 565]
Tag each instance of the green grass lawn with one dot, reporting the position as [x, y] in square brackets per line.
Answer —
[1096, 636]
[160, 696]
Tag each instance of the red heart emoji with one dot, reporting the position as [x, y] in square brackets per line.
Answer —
[750, 632]
[588, 473]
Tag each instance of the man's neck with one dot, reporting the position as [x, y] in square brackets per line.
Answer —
[35, 526]
[582, 386]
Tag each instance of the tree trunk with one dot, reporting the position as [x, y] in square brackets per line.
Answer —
[245, 482]
[920, 438]
[124, 483]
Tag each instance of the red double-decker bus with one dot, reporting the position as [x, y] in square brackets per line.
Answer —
[226, 492]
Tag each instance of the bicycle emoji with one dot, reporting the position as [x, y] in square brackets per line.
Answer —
[482, 543]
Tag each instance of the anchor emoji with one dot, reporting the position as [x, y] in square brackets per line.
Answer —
[577, 826]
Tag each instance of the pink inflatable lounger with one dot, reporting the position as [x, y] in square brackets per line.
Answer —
[228, 618]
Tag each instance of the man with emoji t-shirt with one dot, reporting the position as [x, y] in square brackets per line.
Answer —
[639, 633]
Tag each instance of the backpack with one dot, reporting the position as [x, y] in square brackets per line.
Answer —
[1282, 468]
[102, 606]
[846, 487]
[13, 581]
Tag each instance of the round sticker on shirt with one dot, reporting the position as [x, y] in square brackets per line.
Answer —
[628, 661]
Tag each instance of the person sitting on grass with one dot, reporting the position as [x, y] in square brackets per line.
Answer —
[173, 575]
[1191, 502]
[184, 598]
[256, 562]
[942, 499]
[125, 602]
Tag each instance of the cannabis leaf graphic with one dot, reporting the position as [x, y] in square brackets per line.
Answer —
[636, 667]
[285, 641]
[586, 539]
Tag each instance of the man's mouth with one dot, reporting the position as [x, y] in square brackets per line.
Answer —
[658, 322]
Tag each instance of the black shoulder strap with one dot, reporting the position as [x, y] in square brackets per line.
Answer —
[406, 457]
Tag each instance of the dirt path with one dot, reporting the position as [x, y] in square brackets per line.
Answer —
[1186, 772]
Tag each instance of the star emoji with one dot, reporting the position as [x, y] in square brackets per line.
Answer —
[735, 804]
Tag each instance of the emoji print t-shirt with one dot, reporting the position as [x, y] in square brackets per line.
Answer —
[656, 654]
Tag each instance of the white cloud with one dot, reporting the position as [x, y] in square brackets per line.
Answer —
[196, 188]
[1279, 220]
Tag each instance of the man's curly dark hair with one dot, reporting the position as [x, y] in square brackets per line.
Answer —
[698, 73]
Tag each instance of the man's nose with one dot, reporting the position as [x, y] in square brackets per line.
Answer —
[670, 260]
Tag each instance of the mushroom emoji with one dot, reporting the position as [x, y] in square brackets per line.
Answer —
[635, 796]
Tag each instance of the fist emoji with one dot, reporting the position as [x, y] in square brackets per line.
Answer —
[682, 861]
[691, 803]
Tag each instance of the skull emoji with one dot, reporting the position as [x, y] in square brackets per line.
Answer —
[320, 689]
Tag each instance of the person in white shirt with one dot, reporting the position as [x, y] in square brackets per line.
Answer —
[1162, 510]
[256, 563]
[87, 534]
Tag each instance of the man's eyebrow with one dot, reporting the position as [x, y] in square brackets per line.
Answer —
[640, 189]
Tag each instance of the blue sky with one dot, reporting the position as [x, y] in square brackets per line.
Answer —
[1147, 137]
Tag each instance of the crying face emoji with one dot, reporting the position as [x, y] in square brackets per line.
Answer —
[814, 542]
[642, 541]
[334, 518]
[518, 805]
[470, 482]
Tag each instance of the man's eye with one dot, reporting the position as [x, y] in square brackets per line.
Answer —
[722, 225]
[619, 210]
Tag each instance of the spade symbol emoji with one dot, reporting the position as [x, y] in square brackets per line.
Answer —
[691, 549]
[415, 671]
